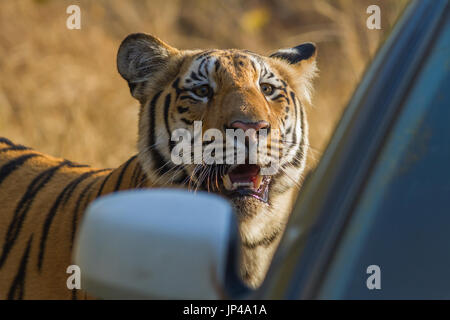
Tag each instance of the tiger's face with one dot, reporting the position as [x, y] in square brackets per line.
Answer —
[193, 101]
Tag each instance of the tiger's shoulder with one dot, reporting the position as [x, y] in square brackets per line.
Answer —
[42, 201]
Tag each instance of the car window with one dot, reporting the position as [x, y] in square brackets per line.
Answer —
[401, 221]
[330, 195]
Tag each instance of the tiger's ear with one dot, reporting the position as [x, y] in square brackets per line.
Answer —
[306, 51]
[140, 58]
[302, 59]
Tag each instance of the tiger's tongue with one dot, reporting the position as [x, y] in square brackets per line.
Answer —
[244, 173]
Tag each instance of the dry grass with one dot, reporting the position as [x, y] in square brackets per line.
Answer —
[60, 91]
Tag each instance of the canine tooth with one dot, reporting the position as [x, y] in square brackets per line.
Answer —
[227, 182]
[257, 181]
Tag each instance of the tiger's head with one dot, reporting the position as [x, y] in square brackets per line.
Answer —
[191, 90]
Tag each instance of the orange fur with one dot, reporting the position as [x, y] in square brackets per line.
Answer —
[42, 198]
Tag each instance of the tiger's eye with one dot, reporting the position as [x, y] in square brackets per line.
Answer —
[267, 88]
[202, 91]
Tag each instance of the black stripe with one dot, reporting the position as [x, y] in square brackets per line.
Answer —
[206, 67]
[188, 97]
[293, 128]
[152, 115]
[178, 90]
[264, 69]
[132, 86]
[188, 122]
[166, 120]
[217, 65]
[14, 164]
[16, 291]
[294, 136]
[75, 165]
[135, 175]
[143, 178]
[103, 184]
[122, 172]
[14, 148]
[158, 159]
[266, 241]
[159, 162]
[73, 187]
[203, 54]
[194, 76]
[23, 207]
[278, 97]
[77, 207]
[182, 109]
[54, 209]
[300, 154]
[6, 141]
[200, 68]
[284, 89]
[291, 57]
[253, 66]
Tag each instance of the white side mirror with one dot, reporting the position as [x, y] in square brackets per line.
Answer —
[163, 244]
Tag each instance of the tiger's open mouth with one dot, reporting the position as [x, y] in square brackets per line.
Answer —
[246, 180]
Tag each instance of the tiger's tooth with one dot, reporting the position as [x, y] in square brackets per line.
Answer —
[242, 184]
[227, 182]
[257, 181]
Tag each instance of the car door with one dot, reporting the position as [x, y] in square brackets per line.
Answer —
[380, 198]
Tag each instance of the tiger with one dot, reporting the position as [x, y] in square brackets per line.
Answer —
[43, 198]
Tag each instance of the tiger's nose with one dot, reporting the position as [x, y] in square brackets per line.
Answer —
[250, 125]
[256, 126]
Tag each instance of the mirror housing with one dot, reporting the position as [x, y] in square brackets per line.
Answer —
[157, 244]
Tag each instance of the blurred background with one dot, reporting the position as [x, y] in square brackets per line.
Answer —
[60, 92]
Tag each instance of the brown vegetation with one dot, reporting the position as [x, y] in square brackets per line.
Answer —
[61, 94]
